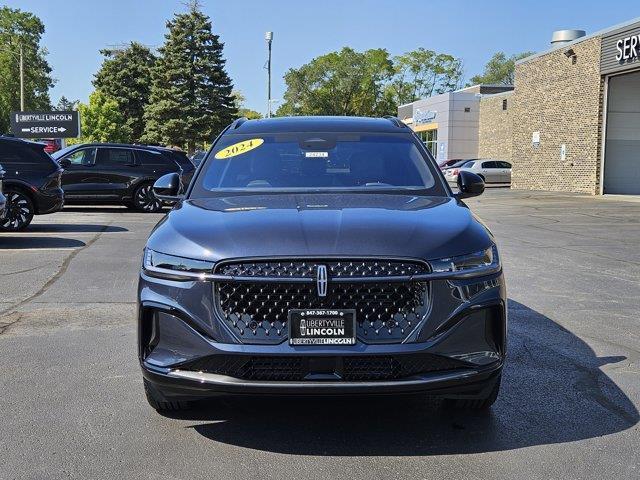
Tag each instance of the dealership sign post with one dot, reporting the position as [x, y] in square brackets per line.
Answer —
[45, 124]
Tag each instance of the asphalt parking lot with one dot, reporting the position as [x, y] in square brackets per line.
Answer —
[73, 404]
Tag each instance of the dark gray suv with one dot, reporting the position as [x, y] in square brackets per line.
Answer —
[320, 255]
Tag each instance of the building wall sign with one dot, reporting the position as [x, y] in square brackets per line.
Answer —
[535, 139]
[627, 48]
[621, 50]
[424, 116]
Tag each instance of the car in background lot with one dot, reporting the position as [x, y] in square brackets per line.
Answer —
[197, 157]
[31, 183]
[448, 163]
[3, 199]
[287, 269]
[491, 171]
[52, 145]
[105, 173]
[451, 172]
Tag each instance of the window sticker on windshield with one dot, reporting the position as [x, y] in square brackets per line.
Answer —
[316, 154]
[239, 148]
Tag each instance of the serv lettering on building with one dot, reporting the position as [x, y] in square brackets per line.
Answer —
[628, 47]
[620, 50]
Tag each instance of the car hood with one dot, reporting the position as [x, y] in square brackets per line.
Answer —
[319, 225]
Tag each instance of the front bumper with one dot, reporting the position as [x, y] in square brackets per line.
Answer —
[187, 385]
[49, 201]
[464, 332]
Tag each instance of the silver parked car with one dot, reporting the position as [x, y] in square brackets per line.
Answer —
[491, 171]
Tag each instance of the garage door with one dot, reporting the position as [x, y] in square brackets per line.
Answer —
[622, 148]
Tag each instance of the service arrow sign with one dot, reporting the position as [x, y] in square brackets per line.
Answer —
[45, 124]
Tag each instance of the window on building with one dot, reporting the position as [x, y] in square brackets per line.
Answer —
[430, 139]
[467, 109]
[504, 104]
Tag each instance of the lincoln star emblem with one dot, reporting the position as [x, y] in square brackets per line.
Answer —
[321, 280]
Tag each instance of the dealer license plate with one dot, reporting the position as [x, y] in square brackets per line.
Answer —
[322, 327]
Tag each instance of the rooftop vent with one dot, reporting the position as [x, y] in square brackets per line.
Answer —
[560, 37]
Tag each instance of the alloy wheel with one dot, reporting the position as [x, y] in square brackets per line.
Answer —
[19, 212]
[146, 201]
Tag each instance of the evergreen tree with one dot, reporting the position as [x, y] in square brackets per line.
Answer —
[18, 28]
[64, 104]
[191, 97]
[125, 76]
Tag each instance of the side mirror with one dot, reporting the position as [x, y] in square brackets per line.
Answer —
[469, 185]
[65, 163]
[167, 187]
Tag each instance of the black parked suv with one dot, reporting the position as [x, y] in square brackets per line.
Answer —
[104, 173]
[3, 199]
[31, 183]
[320, 255]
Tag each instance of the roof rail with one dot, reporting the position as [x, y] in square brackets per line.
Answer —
[396, 121]
[238, 122]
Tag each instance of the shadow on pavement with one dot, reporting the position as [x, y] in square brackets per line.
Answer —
[553, 392]
[106, 209]
[21, 242]
[72, 228]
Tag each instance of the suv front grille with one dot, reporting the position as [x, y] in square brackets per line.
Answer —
[386, 312]
[348, 368]
[335, 268]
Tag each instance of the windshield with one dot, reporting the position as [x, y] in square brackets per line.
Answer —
[63, 152]
[318, 162]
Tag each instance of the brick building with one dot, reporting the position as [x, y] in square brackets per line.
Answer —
[495, 126]
[448, 123]
[576, 114]
[572, 122]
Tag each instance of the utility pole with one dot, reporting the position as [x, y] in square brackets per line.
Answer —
[269, 38]
[21, 79]
[20, 58]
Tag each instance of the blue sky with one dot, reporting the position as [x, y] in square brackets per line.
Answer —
[76, 30]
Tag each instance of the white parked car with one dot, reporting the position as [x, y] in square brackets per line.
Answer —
[451, 171]
[491, 171]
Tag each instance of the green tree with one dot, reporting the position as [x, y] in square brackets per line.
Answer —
[238, 100]
[499, 70]
[18, 28]
[191, 97]
[102, 120]
[422, 73]
[248, 113]
[64, 104]
[125, 76]
[340, 83]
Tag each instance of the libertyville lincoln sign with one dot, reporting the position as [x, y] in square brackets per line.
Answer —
[45, 124]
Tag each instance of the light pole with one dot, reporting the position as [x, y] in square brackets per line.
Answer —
[20, 59]
[269, 38]
[21, 79]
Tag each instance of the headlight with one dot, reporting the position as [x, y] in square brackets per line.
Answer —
[161, 265]
[475, 264]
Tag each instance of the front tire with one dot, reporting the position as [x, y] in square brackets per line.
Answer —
[19, 211]
[144, 200]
